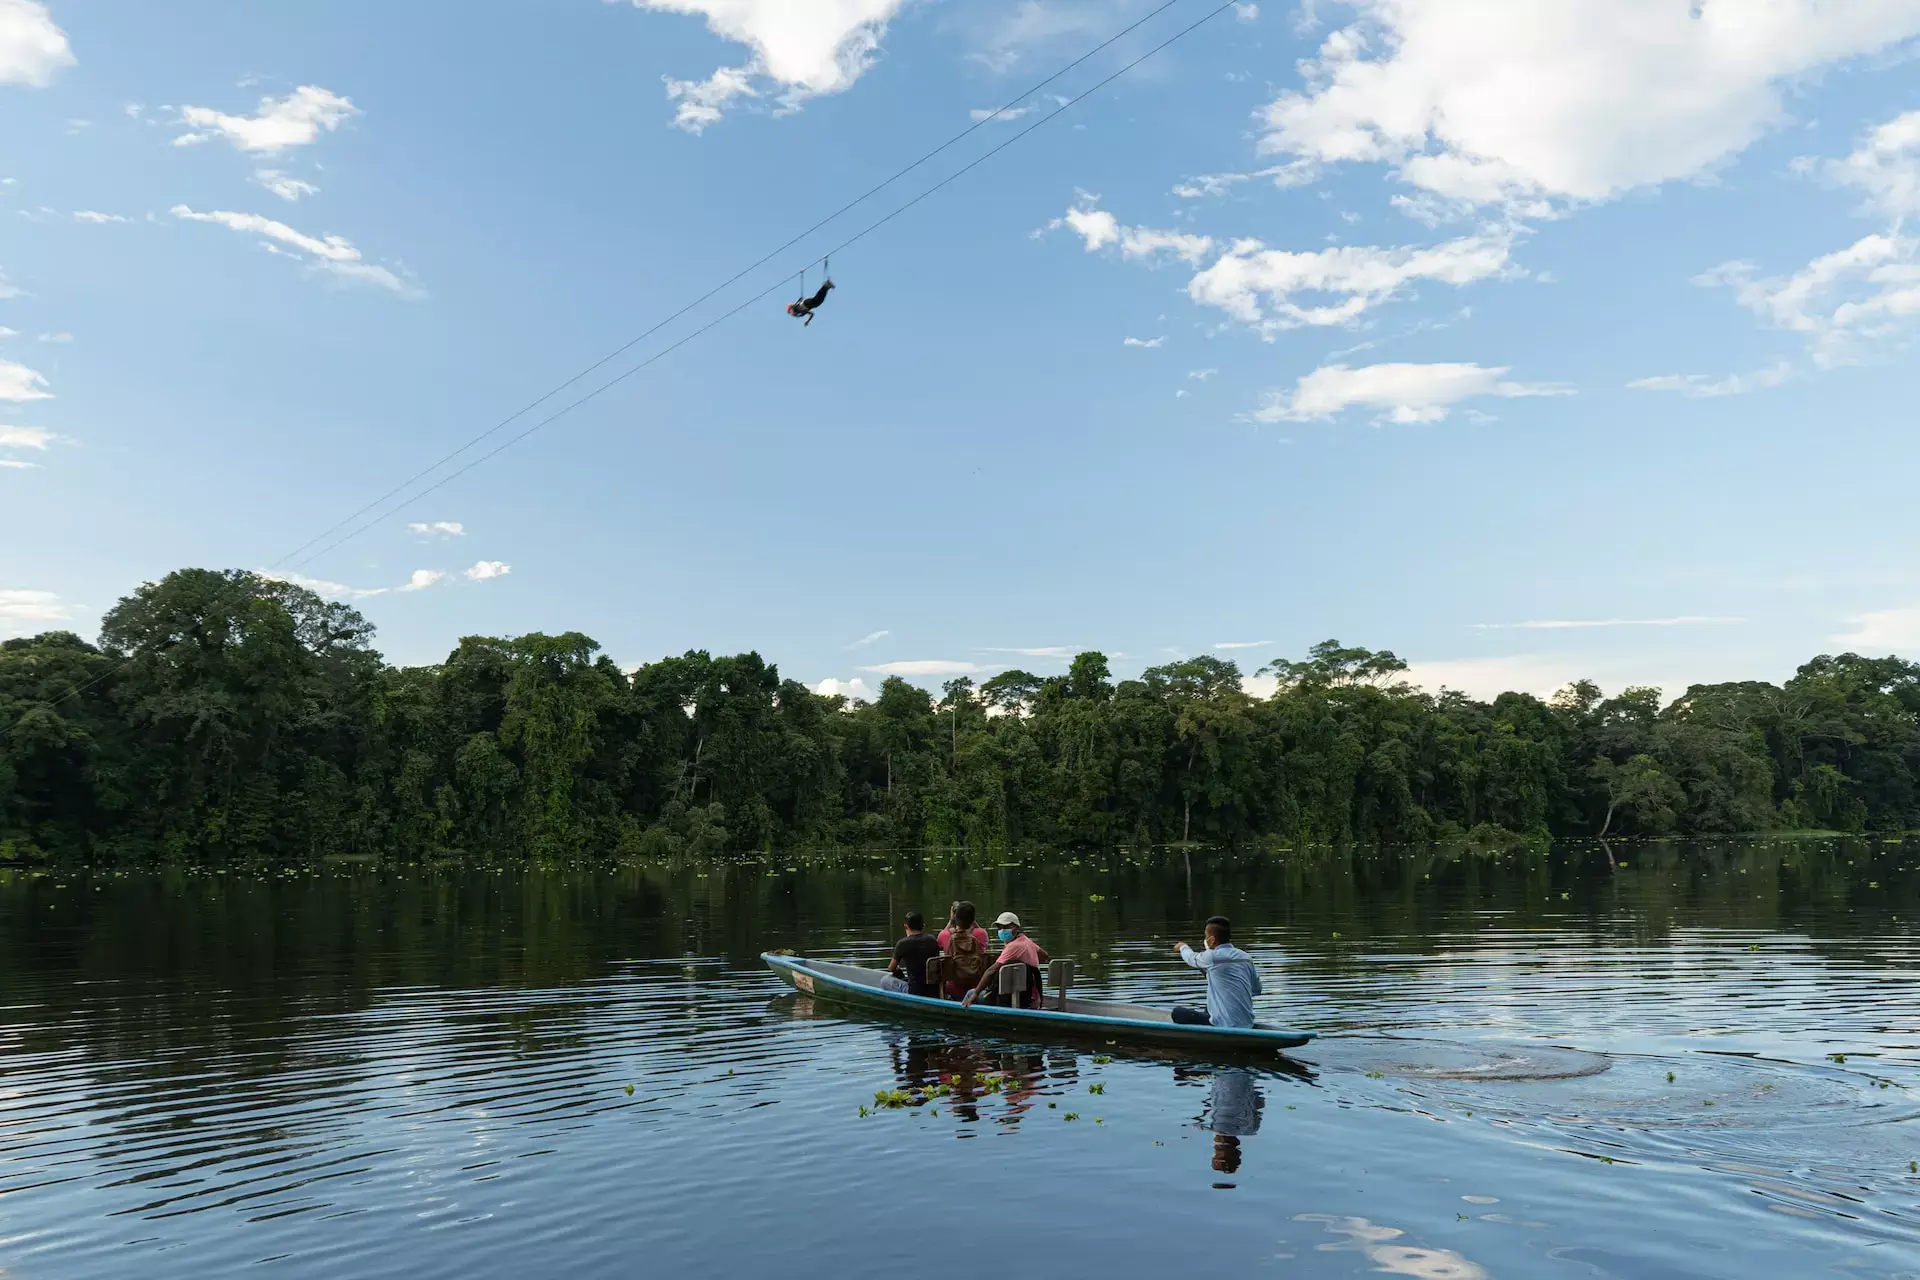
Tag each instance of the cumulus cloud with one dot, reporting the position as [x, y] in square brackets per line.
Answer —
[854, 690]
[19, 384]
[870, 638]
[1101, 230]
[1842, 302]
[451, 528]
[334, 255]
[928, 667]
[1275, 289]
[421, 579]
[801, 48]
[96, 217]
[16, 464]
[981, 115]
[1885, 631]
[32, 49]
[23, 610]
[487, 570]
[1149, 343]
[279, 124]
[1246, 12]
[1402, 392]
[26, 438]
[1886, 166]
[285, 186]
[1505, 101]
[1202, 375]
[1700, 386]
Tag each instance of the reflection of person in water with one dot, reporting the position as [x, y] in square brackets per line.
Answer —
[1233, 1112]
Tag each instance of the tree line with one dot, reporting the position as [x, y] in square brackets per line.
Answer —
[223, 714]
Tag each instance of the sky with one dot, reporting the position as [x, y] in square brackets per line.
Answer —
[1531, 342]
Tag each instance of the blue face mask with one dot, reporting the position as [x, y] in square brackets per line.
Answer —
[1006, 935]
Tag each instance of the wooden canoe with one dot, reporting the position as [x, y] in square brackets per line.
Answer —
[859, 987]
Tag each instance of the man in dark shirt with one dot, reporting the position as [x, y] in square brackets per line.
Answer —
[910, 956]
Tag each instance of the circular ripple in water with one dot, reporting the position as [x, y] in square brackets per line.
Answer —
[1411, 1059]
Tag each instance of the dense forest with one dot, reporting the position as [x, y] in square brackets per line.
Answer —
[227, 715]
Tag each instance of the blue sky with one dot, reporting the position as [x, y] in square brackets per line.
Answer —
[1527, 341]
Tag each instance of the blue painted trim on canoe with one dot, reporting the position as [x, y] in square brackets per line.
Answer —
[827, 985]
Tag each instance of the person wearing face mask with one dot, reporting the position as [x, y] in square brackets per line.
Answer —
[1015, 948]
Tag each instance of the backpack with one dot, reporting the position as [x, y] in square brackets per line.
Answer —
[966, 959]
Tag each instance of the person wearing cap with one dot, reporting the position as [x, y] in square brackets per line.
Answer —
[1015, 948]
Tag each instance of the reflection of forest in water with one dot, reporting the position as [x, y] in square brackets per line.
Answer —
[279, 945]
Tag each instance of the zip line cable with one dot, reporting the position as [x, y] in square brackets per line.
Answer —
[625, 347]
[774, 288]
[608, 385]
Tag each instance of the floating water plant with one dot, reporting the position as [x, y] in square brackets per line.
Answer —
[1101, 1060]
[1096, 1088]
[1072, 1115]
[629, 1091]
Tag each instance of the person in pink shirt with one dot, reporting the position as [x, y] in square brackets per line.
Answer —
[1015, 948]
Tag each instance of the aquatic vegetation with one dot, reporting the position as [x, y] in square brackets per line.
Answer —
[1096, 1088]
[1101, 1060]
[629, 1091]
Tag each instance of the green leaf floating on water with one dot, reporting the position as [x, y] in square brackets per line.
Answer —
[629, 1091]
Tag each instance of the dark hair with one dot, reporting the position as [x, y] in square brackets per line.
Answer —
[1222, 928]
[963, 915]
[916, 921]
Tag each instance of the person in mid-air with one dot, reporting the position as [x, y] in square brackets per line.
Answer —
[805, 307]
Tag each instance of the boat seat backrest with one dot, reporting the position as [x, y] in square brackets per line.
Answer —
[1013, 983]
[936, 973]
[1060, 977]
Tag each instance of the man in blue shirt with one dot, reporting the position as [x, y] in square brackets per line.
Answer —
[1232, 981]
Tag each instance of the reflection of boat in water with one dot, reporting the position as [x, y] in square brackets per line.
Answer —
[859, 987]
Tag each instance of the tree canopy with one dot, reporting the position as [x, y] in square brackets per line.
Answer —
[227, 715]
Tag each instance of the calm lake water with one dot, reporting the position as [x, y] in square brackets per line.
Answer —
[1703, 1063]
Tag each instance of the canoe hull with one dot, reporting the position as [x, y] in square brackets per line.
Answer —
[851, 986]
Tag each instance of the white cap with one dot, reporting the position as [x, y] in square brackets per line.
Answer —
[1007, 917]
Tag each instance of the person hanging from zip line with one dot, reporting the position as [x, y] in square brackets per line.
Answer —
[805, 306]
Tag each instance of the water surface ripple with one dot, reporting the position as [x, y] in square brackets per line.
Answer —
[1705, 1062]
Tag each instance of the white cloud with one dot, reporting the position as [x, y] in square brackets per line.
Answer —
[278, 125]
[8, 333]
[1700, 386]
[1886, 166]
[26, 438]
[10, 290]
[1201, 375]
[1886, 631]
[928, 667]
[1295, 173]
[854, 690]
[869, 638]
[1403, 392]
[1242, 644]
[1101, 230]
[1841, 302]
[451, 528]
[1512, 100]
[487, 570]
[55, 337]
[332, 254]
[22, 610]
[1246, 12]
[19, 384]
[421, 579]
[1060, 651]
[15, 464]
[1261, 286]
[284, 185]
[1149, 343]
[1581, 624]
[982, 114]
[804, 47]
[96, 217]
[32, 49]
[323, 587]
